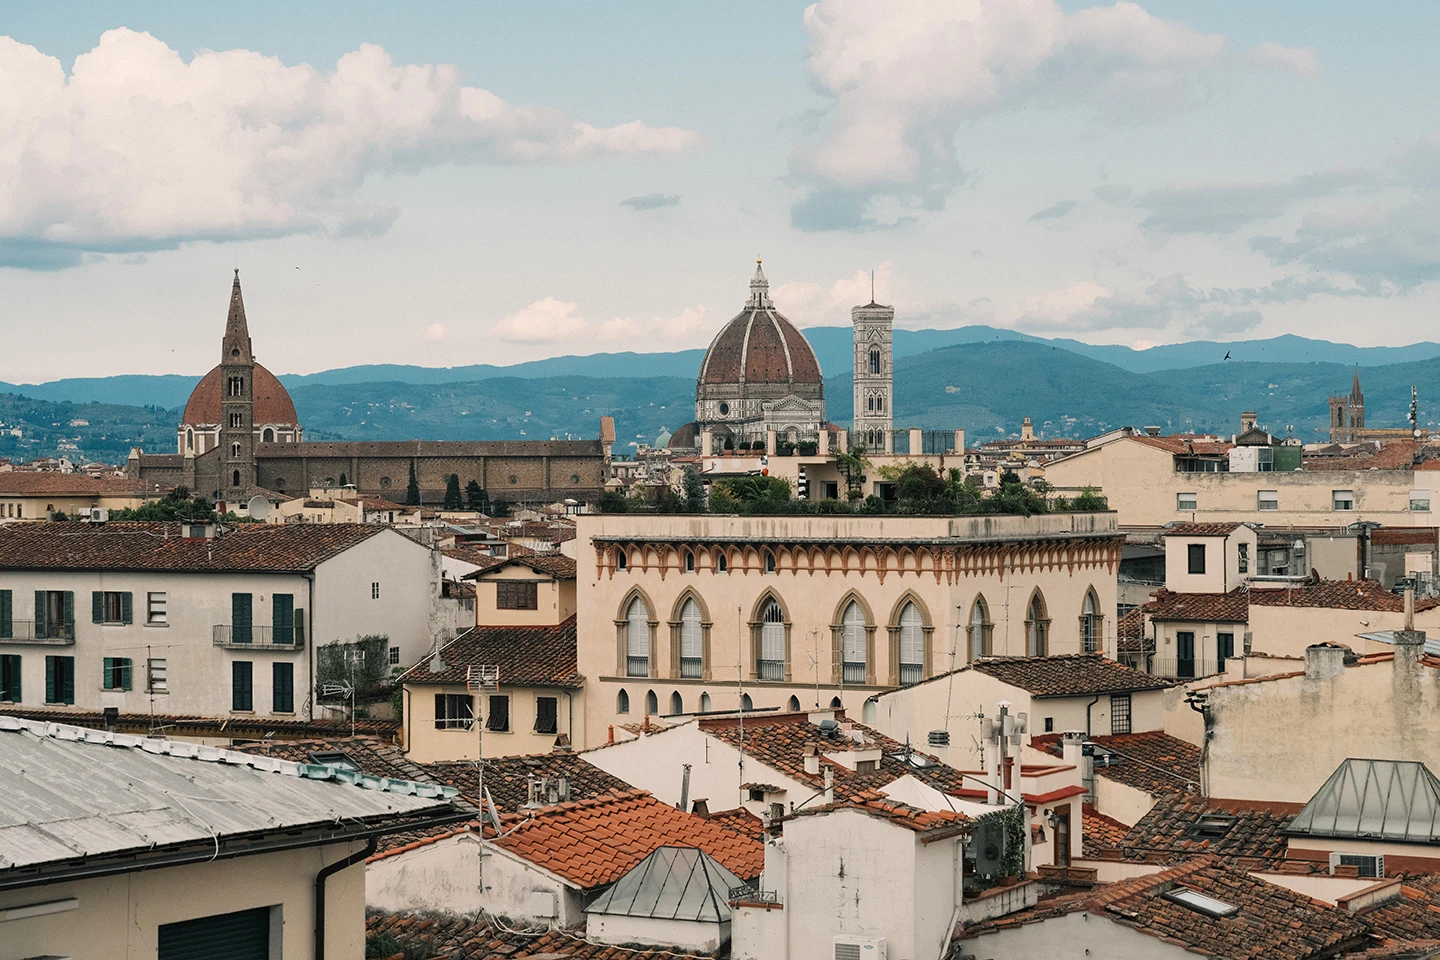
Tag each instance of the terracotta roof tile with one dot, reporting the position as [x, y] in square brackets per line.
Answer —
[594, 842]
[526, 656]
[558, 566]
[456, 937]
[1415, 915]
[1182, 826]
[1153, 761]
[740, 820]
[1339, 595]
[272, 402]
[160, 546]
[1200, 529]
[507, 778]
[1232, 607]
[1068, 675]
[876, 804]
[1392, 455]
[1186, 445]
[1102, 834]
[197, 726]
[25, 482]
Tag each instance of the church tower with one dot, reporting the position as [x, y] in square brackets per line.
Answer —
[237, 406]
[874, 374]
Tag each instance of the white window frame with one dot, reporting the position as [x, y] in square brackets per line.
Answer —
[1419, 501]
[1187, 502]
[1342, 500]
[1270, 503]
[155, 609]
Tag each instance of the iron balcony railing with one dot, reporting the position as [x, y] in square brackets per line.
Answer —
[853, 672]
[60, 633]
[771, 669]
[254, 637]
[754, 894]
[911, 673]
[691, 668]
[1186, 668]
[637, 666]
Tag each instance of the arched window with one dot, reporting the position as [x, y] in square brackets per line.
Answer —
[692, 641]
[912, 645]
[652, 703]
[704, 703]
[772, 643]
[880, 403]
[268, 436]
[1037, 627]
[836, 703]
[870, 401]
[235, 479]
[746, 704]
[619, 559]
[622, 702]
[721, 565]
[852, 628]
[689, 561]
[189, 439]
[874, 360]
[677, 703]
[981, 629]
[637, 639]
[769, 562]
[1092, 637]
[793, 704]
[234, 451]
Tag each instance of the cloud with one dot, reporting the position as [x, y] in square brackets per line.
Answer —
[1384, 248]
[904, 76]
[1088, 307]
[435, 332]
[1225, 208]
[811, 304]
[1112, 193]
[1219, 324]
[544, 321]
[1055, 211]
[651, 201]
[684, 326]
[137, 149]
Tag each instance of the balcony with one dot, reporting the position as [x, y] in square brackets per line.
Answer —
[60, 634]
[230, 637]
[754, 893]
[770, 670]
[1186, 668]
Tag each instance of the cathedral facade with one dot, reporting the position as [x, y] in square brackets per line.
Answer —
[240, 436]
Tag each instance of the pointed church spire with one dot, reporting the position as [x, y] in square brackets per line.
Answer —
[236, 347]
[1355, 393]
[759, 288]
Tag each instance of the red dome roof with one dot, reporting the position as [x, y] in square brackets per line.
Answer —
[272, 400]
[760, 346]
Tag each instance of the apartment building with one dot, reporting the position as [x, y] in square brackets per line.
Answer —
[195, 620]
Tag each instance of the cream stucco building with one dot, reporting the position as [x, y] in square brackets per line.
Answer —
[697, 614]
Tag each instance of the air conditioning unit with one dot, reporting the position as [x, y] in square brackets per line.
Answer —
[988, 845]
[846, 947]
[542, 904]
[1368, 865]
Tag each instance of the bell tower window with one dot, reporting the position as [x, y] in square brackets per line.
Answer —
[874, 360]
[235, 451]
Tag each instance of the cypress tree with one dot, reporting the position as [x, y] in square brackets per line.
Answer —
[452, 492]
[412, 489]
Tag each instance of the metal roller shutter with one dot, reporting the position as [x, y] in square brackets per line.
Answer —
[229, 936]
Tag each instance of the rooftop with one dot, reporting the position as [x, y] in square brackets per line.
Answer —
[245, 547]
[1068, 675]
[507, 779]
[1232, 607]
[78, 795]
[27, 483]
[193, 726]
[1200, 529]
[1152, 761]
[1181, 826]
[557, 566]
[874, 803]
[1340, 595]
[525, 656]
[591, 843]
[1396, 800]
[673, 883]
[455, 937]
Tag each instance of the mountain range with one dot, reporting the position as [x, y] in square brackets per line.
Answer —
[982, 379]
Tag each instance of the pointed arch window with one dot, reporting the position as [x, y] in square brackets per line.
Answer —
[793, 704]
[721, 564]
[874, 360]
[1092, 634]
[677, 704]
[746, 704]
[692, 641]
[622, 702]
[637, 639]
[982, 630]
[652, 703]
[852, 629]
[704, 703]
[771, 665]
[912, 645]
[235, 479]
[1037, 627]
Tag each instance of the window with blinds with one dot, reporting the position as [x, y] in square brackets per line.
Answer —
[853, 645]
[637, 639]
[912, 645]
[692, 647]
[772, 643]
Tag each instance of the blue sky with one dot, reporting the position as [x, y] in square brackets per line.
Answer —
[597, 177]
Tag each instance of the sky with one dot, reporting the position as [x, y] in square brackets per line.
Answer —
[446, 184]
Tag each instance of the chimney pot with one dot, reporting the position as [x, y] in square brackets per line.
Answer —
[1324, 661]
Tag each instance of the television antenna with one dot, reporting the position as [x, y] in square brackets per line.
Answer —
[481, 678]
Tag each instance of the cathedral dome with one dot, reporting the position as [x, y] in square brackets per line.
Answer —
[760, 346]
[271, 399]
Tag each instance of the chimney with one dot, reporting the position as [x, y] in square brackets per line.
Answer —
[1325, 661]
[701, 808]
[1409, 643]
[1072, 752]
[843, 441]
[1152, 431]
[829, 784]
[960, 442]
[812, 759]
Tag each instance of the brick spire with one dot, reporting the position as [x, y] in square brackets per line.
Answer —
[236, 348]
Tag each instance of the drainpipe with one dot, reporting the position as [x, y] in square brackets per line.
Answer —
[310, 642]
[325, 873]
[570, 716]
[1087, 713]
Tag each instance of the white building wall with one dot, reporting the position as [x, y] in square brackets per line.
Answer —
[408, 575]
[683, 935]
[1074, 936]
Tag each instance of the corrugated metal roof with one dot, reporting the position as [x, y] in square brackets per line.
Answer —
[74, 792]
[673, 883]
[1395, 800]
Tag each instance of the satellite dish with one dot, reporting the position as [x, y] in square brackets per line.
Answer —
[258, 507]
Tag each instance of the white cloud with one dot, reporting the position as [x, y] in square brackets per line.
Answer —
[554, 321]
[1302, 60]
[904, 75]
[435, 332]
[810, 304]
[139, 149]
[643, 333]
[544, 321]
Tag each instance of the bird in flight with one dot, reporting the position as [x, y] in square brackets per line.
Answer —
[1227, 355]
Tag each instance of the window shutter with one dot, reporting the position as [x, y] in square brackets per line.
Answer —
[7, 624]
[439, 710]
[40, 615]
[67, 680]
[299, 625]
[545, 714]
[240, 617]
[97, 606]
[125, 671]
[69, 627]
[106, 670]
[127, 607]
[49, 679]
[499, 719]
[283, 617]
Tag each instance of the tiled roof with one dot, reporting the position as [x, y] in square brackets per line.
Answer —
[1154, 761]
[1232, 607]
[1173, 831]
[468, 554]
[1132, 625]
[741, 820]
[507, 778]
[454, 937]
[1186, 445]
[371, 755]
[557, 566]
[1339, 595]
[196, 726]
[1200, 529]
[246, 547]
[525, 656]
[1414, 915]
[1272, 923]
[1068, 675]
[27, 483]
[1392, 455]
[594, 842]
[270, 400]
[875, 804]
[1101, 834]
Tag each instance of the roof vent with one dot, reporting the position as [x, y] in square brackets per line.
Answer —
[830, 730]
[938, 738]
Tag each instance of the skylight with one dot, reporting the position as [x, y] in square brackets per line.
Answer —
[334, 758]
[1200, 903]
[1212, 825]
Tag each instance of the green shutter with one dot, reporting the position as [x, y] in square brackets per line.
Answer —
[127, 607]
[283, 617]
[240, 617]
[241, 686]
[40, 616]
[69, 627]
[67, 680]
[125, 671]
[299, 626]
[283, 676]
[50, 679]
[97, 606]
[106, 666]
[10, 673]
[7, 612]
[230, 936]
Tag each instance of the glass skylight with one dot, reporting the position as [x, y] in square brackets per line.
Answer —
[1200, 903]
